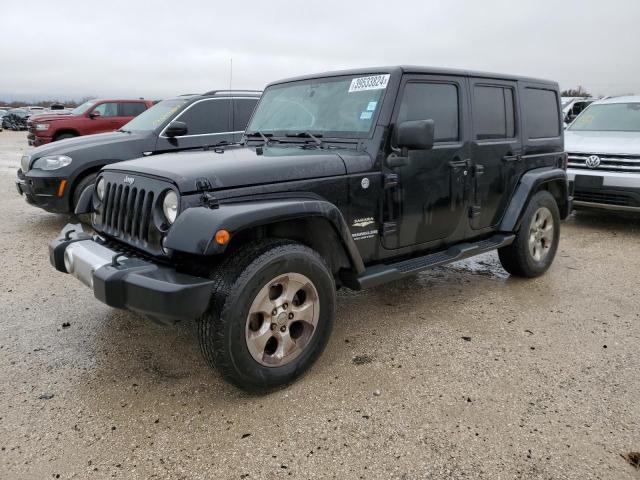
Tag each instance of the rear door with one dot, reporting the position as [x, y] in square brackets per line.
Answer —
[496, 149]
[129, 110]
[209, 121]
[242, 111]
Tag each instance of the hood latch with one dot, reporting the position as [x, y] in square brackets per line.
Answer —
[207, 198]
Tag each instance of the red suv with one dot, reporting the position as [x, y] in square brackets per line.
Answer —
[94, 116]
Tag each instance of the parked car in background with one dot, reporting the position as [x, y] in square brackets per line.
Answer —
[573, 106]
[603, 147]
[352, 179]
[16, 119]
[94, 116]
[35, 109]
[53, 176]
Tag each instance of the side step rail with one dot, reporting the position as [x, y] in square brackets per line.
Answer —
[379, 274]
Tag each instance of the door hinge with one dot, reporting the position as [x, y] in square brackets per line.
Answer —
[390, 180]
[474, 211]
[389, 228]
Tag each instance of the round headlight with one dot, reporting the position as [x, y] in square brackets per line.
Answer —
[170, 206]
[100, 189]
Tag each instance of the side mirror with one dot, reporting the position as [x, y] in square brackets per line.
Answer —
[416, 135]
[95, 114]
[176, 129]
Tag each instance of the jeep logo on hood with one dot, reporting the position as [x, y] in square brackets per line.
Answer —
[129, 180]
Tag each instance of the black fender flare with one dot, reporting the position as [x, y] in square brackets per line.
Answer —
[530, 183]
[195, 228]
[85, 202]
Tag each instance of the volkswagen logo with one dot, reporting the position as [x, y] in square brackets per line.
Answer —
[593, 161]
[130, 180]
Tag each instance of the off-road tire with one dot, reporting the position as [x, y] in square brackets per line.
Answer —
[237, 281]
[517, 258]
[77, 192]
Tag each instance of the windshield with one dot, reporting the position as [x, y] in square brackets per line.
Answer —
[609, 117]
[79, 110]
[343, 107]
[155, 116]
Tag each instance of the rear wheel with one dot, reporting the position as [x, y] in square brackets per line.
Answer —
[270, 316]
[536, 243]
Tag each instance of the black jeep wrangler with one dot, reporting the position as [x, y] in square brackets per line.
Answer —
[351, 179]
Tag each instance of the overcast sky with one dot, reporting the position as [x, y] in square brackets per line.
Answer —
[72, 49]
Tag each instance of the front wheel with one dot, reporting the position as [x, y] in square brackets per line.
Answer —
[79, 188]
[536, 243]
[270, 316]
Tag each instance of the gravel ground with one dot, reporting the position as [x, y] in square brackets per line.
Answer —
[460, 372]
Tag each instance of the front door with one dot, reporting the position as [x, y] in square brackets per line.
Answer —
[104, 119]
[209, 122]
[429, 203]
[496, 149]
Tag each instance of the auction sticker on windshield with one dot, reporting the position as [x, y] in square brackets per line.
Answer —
[374, 82]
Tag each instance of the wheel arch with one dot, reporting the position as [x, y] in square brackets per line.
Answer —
[94, 169]
[63, 131]
[315, 223]
[553, 180]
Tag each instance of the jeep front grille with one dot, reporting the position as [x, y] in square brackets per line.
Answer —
[131, 212]
[126, 212]
[611, 163]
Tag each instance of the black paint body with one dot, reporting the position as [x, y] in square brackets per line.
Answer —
[91, 152]
[462, 196]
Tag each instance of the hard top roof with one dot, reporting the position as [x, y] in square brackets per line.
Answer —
[416, 69]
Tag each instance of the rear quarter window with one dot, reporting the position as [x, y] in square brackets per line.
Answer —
[541, 114]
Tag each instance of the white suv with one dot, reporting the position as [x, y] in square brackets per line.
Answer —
[603, 146]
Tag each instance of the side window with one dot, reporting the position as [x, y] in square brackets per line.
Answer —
[493, 112]
[109, 109]
[242, 110]
[132, 109]
[435, 101]
[541, 113]
[207, 116]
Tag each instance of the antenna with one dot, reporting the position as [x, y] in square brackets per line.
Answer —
[231, 102]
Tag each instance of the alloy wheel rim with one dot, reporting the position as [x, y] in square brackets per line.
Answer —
[541, 234]
[282, 319]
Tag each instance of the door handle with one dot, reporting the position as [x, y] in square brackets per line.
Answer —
[511, 158]
[459, 163]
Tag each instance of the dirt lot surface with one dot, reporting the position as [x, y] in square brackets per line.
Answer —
[461, 372]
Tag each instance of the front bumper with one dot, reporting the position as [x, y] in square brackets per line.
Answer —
[605, 190]
[35, 140]
[129, 283]
[43, 192]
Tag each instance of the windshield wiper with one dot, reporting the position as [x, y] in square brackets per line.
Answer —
[307, 134]
[264, 137]
[123, 130]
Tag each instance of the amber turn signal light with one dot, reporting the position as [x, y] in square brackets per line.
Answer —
[63, 184]
[222, 237]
